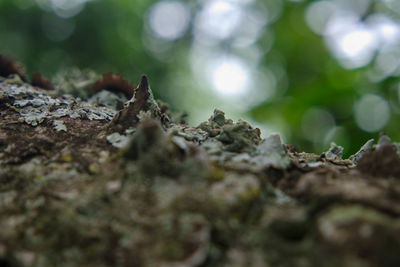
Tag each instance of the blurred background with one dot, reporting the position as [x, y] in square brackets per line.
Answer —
[314, 71]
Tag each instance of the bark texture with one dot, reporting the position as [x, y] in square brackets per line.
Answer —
[83, 183]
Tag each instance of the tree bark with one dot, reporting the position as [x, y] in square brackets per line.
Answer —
[85, 184]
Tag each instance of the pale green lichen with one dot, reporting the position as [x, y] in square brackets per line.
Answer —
[215, 122]
[118, 140]
[366, 147]
[75, 82]
[34, 106]
[268, 153]
[121, 140]
[189, 133]
[236, 137]
[334, 152]
[108, 99]
[59, 126]
[13, 79]
[219, 118]
[239, 136]
[32, 117]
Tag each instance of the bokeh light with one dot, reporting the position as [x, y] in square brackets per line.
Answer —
[63, 8]
[217, 20]
[230, 76]
[57, 29]
[351, 37]
[372, 112]
[386, 29]
[316, 123]
[318, 15]
[169, 19]
[351, 42]
[250, 28]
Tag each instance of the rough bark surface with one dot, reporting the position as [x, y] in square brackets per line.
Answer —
[85, 184]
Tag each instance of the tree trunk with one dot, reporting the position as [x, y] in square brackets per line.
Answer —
[85, 184]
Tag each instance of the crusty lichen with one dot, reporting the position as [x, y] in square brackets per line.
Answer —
[146, 190]
[35, 106]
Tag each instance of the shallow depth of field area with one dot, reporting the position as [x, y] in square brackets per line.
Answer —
[283, 65]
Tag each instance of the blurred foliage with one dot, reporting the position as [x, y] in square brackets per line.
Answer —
[312, 86]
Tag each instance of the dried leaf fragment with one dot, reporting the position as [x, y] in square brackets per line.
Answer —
[114, 83]
[41, 81]
[9, 66]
